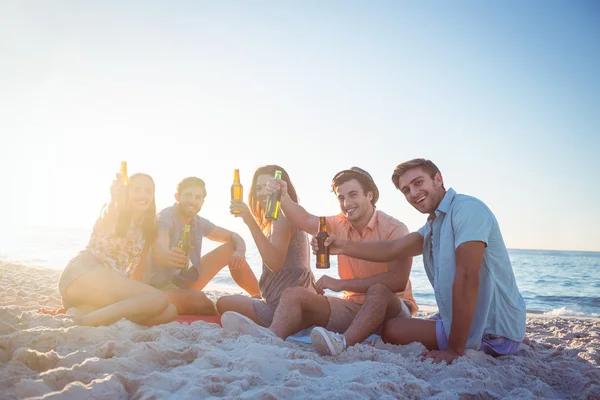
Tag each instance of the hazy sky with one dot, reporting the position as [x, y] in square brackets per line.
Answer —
[504, 97]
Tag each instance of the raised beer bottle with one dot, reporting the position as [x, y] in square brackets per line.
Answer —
[323, 252]
[123, 197]
[184, 242]
[124, 176]
[237, 191]
[274, 202]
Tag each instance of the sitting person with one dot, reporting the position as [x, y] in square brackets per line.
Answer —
[182, 276]
[467, 263]
[373, 292]
[284, 251]
[95, 286]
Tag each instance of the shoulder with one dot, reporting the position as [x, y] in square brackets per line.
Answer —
[336, 221]
[167, 212]
[463, 204]
[390, 226]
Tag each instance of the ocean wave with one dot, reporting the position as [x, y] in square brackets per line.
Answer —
[567, 312]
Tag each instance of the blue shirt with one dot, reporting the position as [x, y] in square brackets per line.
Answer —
[500, 308]
[169, 219]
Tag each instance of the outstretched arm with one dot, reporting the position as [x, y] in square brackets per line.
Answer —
[274, 251]
[297, 216]
[380, 251]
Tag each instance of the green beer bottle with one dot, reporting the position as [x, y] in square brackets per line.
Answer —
[184, 242]
[274, 202]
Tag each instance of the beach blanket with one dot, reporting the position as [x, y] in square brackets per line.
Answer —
[304, 337]
[182, 319]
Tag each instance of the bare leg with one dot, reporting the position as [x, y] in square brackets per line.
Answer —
[211, 263]
[190, 302]
[240, 304]
[298, 309]
[170, 314]
[408, 330]
[380, 305]
[114, 297]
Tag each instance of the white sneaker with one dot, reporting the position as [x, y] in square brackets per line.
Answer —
[327, 343]
[236, 322]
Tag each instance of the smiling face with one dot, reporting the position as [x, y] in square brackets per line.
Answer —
[141, 195]
[261, 182]
[355, 204]
[421, 190]
[190, 201]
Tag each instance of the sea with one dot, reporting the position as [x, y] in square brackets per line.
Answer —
[560, 283]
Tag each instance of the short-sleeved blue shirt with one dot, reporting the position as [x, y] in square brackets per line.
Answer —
[170, 219]
[500, 308]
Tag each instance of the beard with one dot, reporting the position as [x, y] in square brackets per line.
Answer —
[187, 210]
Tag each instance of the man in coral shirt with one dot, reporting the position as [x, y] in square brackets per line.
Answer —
[373, 292]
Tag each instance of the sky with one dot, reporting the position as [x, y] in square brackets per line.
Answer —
[503, 96]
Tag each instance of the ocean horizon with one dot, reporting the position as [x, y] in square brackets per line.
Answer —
[554, 282]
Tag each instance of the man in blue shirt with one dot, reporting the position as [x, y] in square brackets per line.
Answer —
[183, 276]
[467, 263]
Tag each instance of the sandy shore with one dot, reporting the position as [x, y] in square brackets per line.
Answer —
[48, 357]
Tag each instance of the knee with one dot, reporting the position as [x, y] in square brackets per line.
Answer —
[223, 304]
[171, 312]
[379, 290]
[391, 330]
[159, 303]
[294, 293]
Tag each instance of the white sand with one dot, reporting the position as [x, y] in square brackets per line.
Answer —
[48, 357]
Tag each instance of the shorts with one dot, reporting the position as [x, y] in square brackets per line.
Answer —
[490, 344]
[264, 311]
[81, 264]
[343, 312]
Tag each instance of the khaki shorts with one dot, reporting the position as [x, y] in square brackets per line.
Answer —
[343, 312]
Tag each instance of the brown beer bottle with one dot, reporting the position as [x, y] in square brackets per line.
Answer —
[274, 202]
[123, 198]
[237, 191]
[323, 252]
[124, 176]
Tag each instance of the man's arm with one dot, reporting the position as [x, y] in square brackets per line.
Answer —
[407, 246]
[465, 289]
[222, 235]
[395, 279]
[298, 217]
[164, 255]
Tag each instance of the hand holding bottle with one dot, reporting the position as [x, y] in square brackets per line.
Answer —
[240, 209]
[273, 186]
[334, 243]
[118, 187]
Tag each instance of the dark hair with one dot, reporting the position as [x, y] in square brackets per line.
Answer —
[363, 177]
[191, 181]
[148, 227]
[256, 206]
[426, 165]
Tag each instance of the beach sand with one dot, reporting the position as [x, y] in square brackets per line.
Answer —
[42, 356]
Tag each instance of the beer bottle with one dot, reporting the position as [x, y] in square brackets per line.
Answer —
[237, 191]
[184, 242]
[124, 177]
[323, 252]
[274, 202]
[123, 197]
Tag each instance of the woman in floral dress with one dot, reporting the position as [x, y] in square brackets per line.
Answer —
[96, 286]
